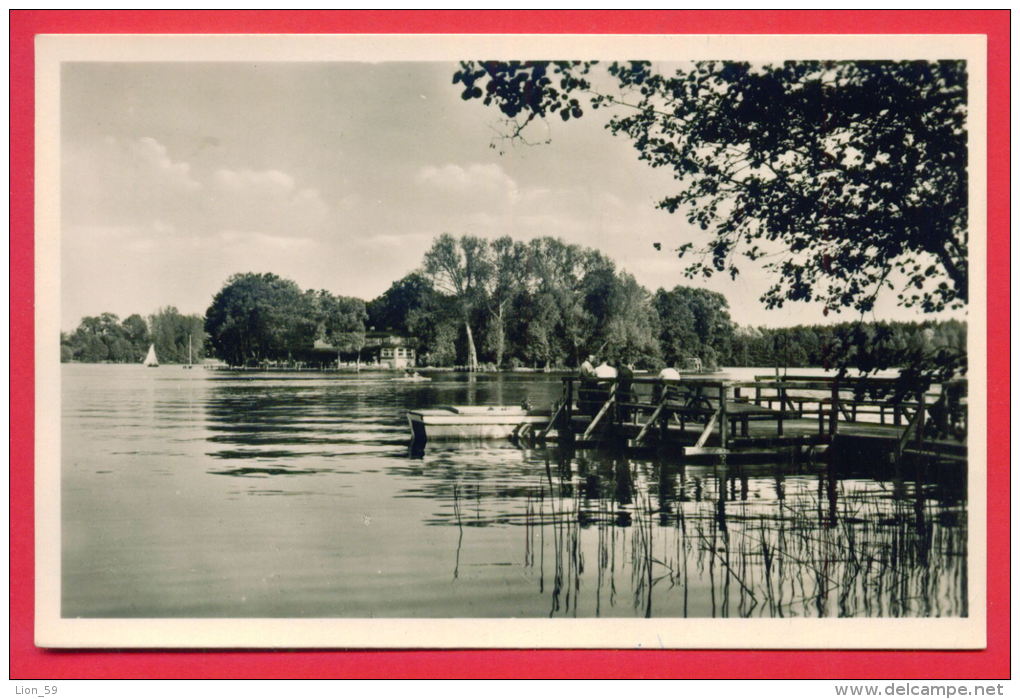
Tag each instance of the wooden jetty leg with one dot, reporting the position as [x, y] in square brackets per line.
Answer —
[601, 413]
[834, 410]
[920, 418]
[568, 418]
[782, 408]
[707, 431]
[915, 421]
[545, 431]
[651, 420]
[723, 434]
[846, 411]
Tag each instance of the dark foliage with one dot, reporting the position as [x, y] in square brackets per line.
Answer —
[843, 177]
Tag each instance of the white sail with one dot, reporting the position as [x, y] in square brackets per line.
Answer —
[150, 358]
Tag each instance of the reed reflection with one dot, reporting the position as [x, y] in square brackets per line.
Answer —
[610, 535]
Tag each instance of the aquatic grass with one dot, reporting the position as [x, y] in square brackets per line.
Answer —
[681, 540]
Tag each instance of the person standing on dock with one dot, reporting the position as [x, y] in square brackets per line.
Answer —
[600, 389]
[605, 371]
[671, 374]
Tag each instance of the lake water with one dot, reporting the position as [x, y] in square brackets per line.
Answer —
[219, 494]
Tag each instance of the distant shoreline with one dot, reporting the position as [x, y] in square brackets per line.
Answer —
[373, 369]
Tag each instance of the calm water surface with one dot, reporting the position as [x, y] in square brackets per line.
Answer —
[219, 494]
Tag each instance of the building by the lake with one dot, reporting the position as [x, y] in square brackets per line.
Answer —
[383, 348]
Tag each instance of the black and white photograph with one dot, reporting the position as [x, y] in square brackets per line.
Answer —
[602, 342]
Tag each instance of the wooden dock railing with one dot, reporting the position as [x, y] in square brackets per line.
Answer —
[644, 403]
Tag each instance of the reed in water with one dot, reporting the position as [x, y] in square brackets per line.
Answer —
[606, 535]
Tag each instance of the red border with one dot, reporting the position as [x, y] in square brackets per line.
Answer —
[28, 662]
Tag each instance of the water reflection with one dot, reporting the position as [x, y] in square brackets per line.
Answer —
[198, 494]
[608, 534]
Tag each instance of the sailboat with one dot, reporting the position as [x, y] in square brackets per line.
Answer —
[188, 365]
[150, 358]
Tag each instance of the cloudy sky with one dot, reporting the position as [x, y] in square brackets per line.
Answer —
[335, 175]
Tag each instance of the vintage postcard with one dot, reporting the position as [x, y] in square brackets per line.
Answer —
[510, 341]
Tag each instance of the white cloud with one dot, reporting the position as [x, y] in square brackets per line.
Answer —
[473, 180]
[135, 217]
[265, 201]
[136, 182]
[263, 241]
[154, 154]
[123, 181]
[264, 180]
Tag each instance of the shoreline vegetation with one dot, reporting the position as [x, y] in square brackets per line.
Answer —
[541, 305]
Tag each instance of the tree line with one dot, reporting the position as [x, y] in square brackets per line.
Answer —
[505, 302]
[542, 303]
[502, 303]
[546, 303]
[107, 338]
[868, 346]
[257, 318]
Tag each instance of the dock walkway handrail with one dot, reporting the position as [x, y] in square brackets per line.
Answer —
[832, 399]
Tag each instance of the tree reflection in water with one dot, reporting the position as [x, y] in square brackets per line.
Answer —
[607, 535]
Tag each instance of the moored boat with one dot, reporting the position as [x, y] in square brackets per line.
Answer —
[415, 378]
[473, 421]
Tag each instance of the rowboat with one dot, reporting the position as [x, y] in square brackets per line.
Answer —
[473, 421]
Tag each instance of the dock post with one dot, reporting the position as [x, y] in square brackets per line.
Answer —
[834, 408]
[664, 394]
[723, 420]
[568, 414]
[920, 419]
[782, 408]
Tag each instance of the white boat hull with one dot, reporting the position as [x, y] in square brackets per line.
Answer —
[472, 422]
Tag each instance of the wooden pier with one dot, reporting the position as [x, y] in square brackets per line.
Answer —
[763, 419]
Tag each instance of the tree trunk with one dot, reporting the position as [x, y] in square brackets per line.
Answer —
[957, 273]
[500, 338]
[472, 353]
